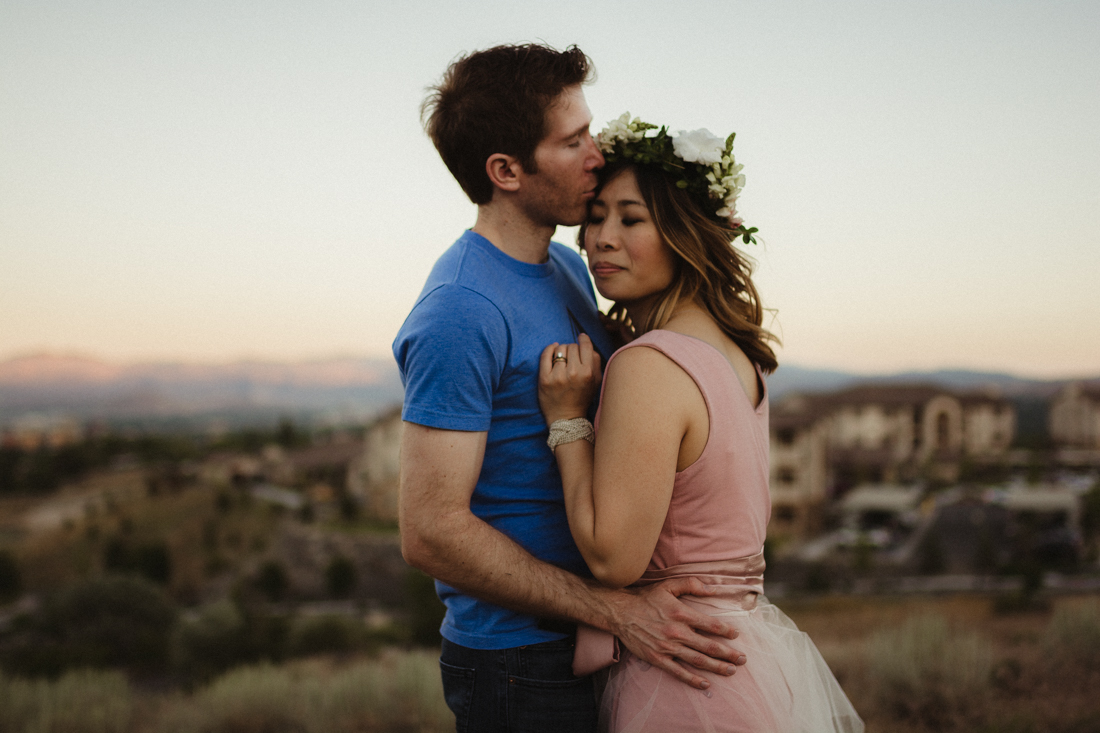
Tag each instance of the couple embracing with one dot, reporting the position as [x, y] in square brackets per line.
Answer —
[637, 553]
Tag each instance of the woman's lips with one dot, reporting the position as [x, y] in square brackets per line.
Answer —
[603, 269]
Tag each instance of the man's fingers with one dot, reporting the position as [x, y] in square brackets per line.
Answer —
[688, 586]
[713, 625]
[714, 657]
[681, 673]
[698, 621]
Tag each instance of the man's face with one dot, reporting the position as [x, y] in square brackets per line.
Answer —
[567, 159]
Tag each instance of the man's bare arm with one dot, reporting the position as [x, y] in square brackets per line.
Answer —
[442, 537]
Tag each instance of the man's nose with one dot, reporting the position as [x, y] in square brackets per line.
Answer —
[596, 158]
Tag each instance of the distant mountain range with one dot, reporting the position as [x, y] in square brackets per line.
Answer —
[798, 379]
[247, 392]
[344, 390]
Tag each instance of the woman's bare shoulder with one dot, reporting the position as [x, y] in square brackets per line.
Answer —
[643, 377]
[643, 361]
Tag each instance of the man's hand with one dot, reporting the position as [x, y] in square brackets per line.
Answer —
[659, 628]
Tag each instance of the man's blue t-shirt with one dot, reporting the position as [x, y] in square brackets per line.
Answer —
[469, 358]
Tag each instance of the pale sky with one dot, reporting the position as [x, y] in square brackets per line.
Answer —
[221, 180]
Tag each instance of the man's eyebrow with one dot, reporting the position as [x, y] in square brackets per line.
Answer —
[579, 131]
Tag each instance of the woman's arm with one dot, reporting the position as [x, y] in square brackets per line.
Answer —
[617, 495]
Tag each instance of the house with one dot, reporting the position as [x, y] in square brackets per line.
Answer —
[881, 507]
[822, 445]
[1075, 416]
[35, 430]
[372, 475]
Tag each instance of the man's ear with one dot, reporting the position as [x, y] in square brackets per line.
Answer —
[504, 171]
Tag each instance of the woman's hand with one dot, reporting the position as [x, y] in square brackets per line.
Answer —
[566, 387]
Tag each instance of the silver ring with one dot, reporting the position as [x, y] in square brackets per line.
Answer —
[560, 356]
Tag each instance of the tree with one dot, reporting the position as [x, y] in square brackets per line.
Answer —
[930, 558]
[11, 584]
[115, 621]
[340, 577]
[272, 580]
[426, 611]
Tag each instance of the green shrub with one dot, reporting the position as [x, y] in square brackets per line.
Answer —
[927, 671]
[326, 634]
[863, 555]
[79, 702]
[425, 609]
[11, 583]
[930, 557]
[349, 507]
[340, 577]
[267, 633]
[104, 622]
[210, 642]
[1073, 636]
[151, 561]
[818, 579]
[272, 580]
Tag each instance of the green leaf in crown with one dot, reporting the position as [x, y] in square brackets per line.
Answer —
[702, 164]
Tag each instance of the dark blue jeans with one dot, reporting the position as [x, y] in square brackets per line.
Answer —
[528, 689]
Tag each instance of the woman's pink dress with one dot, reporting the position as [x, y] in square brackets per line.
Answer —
[715, 529]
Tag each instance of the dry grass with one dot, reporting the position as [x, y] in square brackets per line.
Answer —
[399, 692]
[1073, 635]
[909, 665]
[78, 702]
[954, 664]
[926, 670]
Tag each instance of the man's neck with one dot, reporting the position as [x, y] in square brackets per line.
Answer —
[513, 233]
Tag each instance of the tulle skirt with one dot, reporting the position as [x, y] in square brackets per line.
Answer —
[784, 687]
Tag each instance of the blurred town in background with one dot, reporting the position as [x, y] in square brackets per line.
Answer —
[180, 521]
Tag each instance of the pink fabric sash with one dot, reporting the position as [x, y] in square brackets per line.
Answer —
[737, 583]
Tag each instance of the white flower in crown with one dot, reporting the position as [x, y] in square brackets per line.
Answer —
[729, 212]
[699, 146]
[623, 129]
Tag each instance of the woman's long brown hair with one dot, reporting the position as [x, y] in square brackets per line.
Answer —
[709, 269]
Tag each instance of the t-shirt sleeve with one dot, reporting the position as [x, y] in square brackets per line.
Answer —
[451, 351]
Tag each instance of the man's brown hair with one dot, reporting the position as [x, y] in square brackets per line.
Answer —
[495, 101]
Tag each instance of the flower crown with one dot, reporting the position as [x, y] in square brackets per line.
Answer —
[701, 163]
